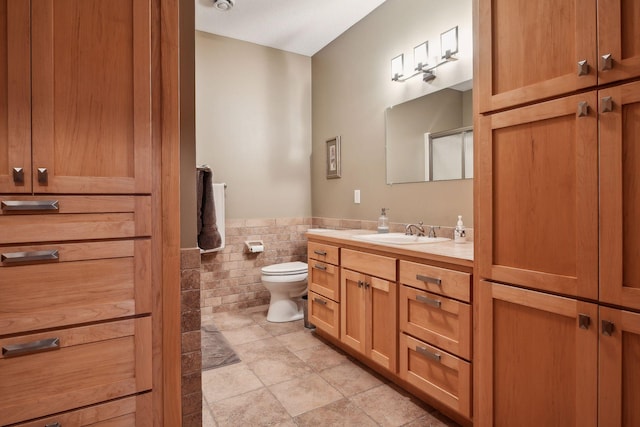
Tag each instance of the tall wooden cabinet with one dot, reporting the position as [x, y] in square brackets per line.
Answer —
[556, 197]
[78, 303]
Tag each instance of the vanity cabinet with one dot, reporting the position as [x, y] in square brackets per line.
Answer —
[435, 338]
[368, 306]
[324, 287]
[78, 116]
[582, 43]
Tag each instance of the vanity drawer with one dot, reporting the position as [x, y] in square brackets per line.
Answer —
[441, 375]
[29, 219]
[323, 252]
[127, 412]
[324, 314]
[71, 368]
[73, 283]
[441, 321]
[451, 283]
[324, 279]
[375, 265]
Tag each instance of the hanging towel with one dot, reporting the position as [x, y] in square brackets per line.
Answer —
[208, 234]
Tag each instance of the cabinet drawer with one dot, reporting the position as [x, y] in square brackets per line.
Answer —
[441, 321]
[324, 314]
[324, 279]
[375, 265]
[323, 252]
[127, 412]
[87, 282]
[441, 375]
[77, 367]
[68, 218]
[451, 283]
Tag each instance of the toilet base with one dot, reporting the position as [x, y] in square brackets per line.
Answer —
[284, 309]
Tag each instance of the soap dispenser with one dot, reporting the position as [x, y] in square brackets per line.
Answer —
[383, 221]
[459, 234]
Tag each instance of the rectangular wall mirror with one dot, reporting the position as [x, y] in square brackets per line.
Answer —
[430, 138]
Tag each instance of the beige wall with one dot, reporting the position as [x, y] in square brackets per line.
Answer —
[352, 89]
[253, 125]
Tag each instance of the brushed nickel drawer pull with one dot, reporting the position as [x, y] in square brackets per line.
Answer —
[583, 109]
[607, 104]
[43, 176]
[430, 354]
[429, 301]
[11, 257]
[31, 347]
[318, 252]
[607, 328]
[320, 301]
[584, 321]
[428, 279]
[320, 267]
[18, 175]
[583, 68]
[606, 62]
[56, 424]
[30, 205]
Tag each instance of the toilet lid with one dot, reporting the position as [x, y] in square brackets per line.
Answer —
[285, 268]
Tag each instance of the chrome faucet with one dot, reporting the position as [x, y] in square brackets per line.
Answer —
[432, 231]
[418, 227]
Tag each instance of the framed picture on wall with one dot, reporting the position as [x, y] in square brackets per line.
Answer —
[333, 158]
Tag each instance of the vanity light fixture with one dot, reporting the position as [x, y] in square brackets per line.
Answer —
[448, 48]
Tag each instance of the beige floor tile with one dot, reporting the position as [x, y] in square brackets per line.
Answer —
[231, 320]
[254, 350]
[321, 357]
[304, 394]
[337, 414]
[296, 341]
[207, 417]
[276, 329]
[227, 381]
[350, 378]
[278, 366]
[245, 334]
[255, 408]
[389, 407]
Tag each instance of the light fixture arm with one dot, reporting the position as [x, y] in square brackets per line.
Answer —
[428, 73]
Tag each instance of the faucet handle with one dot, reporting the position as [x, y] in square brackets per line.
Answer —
[432, 230]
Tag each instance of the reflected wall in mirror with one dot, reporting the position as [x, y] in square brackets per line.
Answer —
[430, 138]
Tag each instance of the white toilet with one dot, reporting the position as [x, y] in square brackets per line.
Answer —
[287, 283]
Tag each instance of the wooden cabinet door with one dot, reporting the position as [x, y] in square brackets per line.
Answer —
[620, 195]
[537, 359]
[352, 310]
[382, 343]
[618, 39]
[91, 84]
[15, 97]
[619, 393]
[532, 50]
[537, 196]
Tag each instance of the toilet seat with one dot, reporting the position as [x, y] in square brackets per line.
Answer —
[285, 269]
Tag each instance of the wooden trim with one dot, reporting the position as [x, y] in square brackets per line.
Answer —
[169, 239]
[610, 41]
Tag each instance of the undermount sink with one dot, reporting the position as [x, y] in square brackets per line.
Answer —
[400, 239]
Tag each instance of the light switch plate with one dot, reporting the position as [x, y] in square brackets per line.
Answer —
[356, 196]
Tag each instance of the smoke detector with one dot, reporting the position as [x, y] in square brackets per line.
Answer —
[224, 5]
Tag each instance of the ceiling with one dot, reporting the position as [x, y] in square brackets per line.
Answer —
[298, 26]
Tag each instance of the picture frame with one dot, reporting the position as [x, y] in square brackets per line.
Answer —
[333, 158]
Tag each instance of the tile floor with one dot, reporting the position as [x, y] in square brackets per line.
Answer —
[290, 377]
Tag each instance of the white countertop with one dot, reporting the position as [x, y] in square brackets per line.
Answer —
[448, 251]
